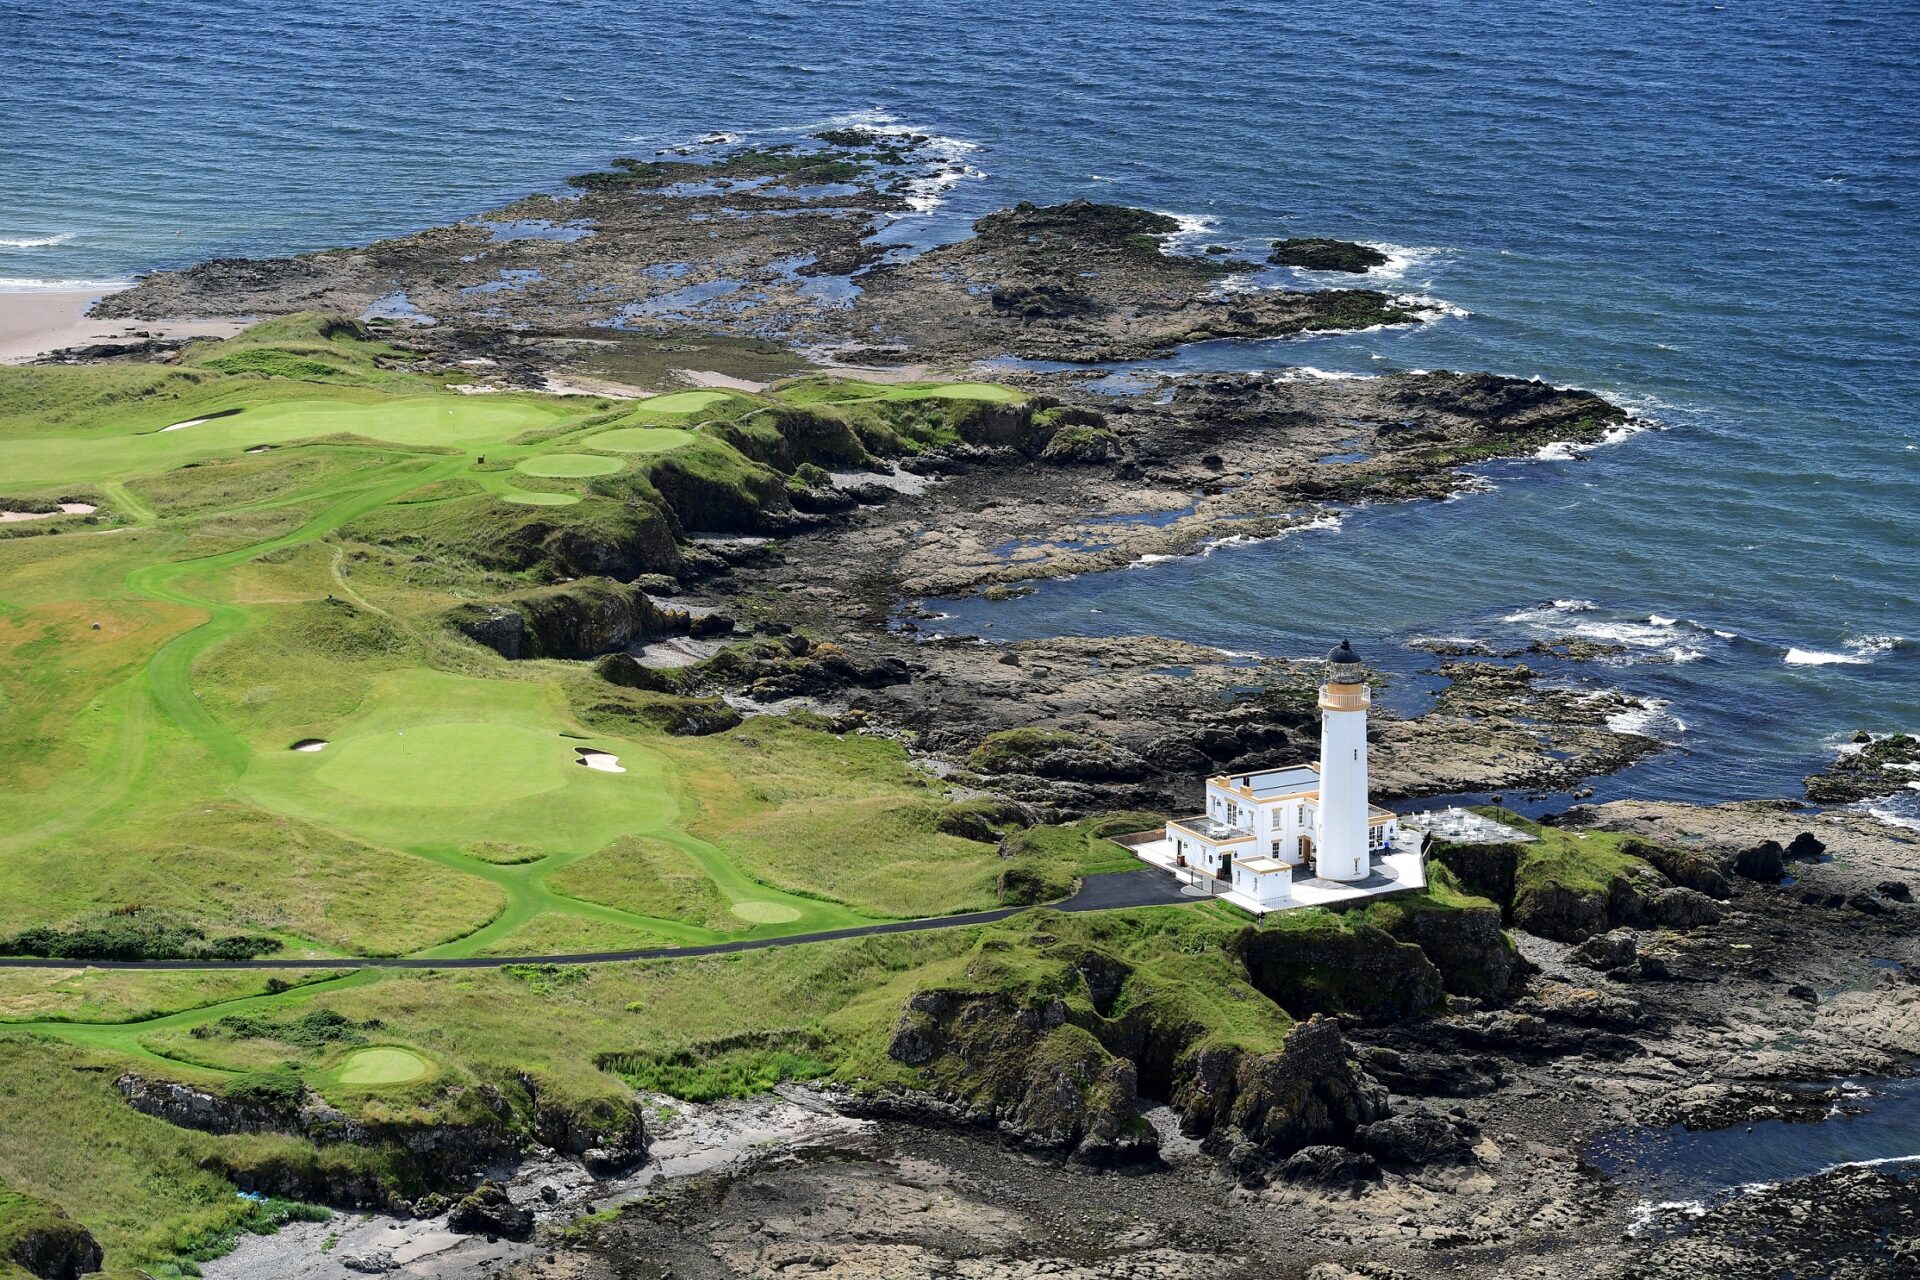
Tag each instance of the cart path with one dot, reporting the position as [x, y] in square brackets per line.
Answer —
[1105, 891]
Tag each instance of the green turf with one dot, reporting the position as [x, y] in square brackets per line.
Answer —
[683, 402]
[639, 439]
[382, 1066]
[568, 464]
[433, 421]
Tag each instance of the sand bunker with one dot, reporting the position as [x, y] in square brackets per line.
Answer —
[535, 498]
[66, 509]
[180, 426]
[765, 912]
[308, 744]
[599, 761]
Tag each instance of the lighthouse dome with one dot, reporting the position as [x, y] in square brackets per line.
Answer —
[1344, 654]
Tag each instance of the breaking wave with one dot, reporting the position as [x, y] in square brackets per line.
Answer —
[35, 242]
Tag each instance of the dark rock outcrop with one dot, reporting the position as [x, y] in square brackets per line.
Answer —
[1258, 1109]
[1612, 950]
[1359, 970]
[1469, 949]
[581, 619]
[42, 1240]
[1313, 253]
[1764, 862]
[1414, 1138]
[1328, 1167]
[488, 1211]
[1020, 1066]
[608, 1137]
[1686, 869]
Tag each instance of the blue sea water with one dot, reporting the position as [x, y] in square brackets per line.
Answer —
[1708, 211]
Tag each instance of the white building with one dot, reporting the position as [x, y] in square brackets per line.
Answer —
[1260, 828]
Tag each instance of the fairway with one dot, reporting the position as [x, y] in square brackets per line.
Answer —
[640, 439]
[382, 1066]
[569, 464]
[436, 420]
[765, 912]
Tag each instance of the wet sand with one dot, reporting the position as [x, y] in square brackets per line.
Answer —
[33, 324]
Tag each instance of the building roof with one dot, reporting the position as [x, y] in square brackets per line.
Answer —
[1211, 830]
[1264, 866]
[1267, 784]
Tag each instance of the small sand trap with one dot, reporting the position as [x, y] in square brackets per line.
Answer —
[599, 761]
[308, 744]
[179, 426]
[66, 509]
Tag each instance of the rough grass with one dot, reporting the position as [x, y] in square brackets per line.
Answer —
[842, 817]
[652, 877]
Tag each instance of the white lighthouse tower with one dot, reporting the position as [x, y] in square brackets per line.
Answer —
[1340, 843]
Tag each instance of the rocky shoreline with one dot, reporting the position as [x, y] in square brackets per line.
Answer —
[1739, 951]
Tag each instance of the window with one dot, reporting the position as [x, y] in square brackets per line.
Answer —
[1276, 848]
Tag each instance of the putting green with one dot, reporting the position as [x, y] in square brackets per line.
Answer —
[684, 402]
[446, 765]
[434, 762]
[569, 464]
[766, 912]
[640, 439]
[382, 1066]
[434, 420]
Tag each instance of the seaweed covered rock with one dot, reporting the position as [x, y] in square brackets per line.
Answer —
[1314, 253]
[1870, 767]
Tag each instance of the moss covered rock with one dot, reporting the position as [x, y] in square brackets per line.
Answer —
[1312, 961]
[42, 1240]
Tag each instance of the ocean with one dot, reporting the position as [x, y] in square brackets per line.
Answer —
[1704, 211]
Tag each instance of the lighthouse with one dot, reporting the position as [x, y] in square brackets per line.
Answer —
[1340, 842]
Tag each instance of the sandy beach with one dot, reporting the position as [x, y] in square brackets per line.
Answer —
[34, 323]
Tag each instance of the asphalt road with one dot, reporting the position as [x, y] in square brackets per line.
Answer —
[1105, 892]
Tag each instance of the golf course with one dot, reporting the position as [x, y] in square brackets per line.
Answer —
[243, 720]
